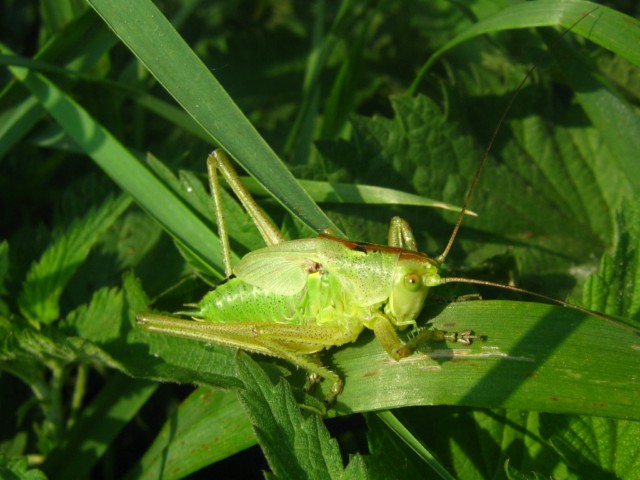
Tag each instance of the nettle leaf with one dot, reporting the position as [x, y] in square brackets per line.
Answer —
[615, 289]
[100, 319]
[418, 150]
[551, 184]
[295, 446]
[28, 349]
[595, 447]
[106, 330]
[47, 278]
[356, 469]
[403, 150]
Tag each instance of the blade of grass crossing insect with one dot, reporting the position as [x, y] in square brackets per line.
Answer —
[150, 36]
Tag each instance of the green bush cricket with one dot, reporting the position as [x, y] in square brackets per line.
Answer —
[310, 294]
[293, 299]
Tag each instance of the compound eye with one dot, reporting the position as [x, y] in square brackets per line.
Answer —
[412, 282]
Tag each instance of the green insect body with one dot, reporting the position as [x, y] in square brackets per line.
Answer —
[296, 298]
[323, 281]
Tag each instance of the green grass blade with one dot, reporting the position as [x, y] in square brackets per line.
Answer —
[207, 427]
[125, 169]
[535, 357]
[191, 83]
[412, 442]
[115, 406]
[78, 47]
[613, 30]
[337, 192]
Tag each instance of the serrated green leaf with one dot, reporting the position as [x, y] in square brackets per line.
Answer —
[595, 447]
[356, 469]
[414, 140]
[37, 346]
[296, 447]
[97, 320]
[614, 289]
[47, 278]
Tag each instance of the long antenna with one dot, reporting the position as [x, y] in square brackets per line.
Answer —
[443, 256]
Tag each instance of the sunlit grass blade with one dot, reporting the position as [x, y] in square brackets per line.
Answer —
[337, 192]
[535, 357]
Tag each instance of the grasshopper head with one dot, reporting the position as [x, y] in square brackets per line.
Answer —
[414, 274]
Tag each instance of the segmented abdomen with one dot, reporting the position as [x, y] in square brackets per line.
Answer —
[322, 301]
[236, 301]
